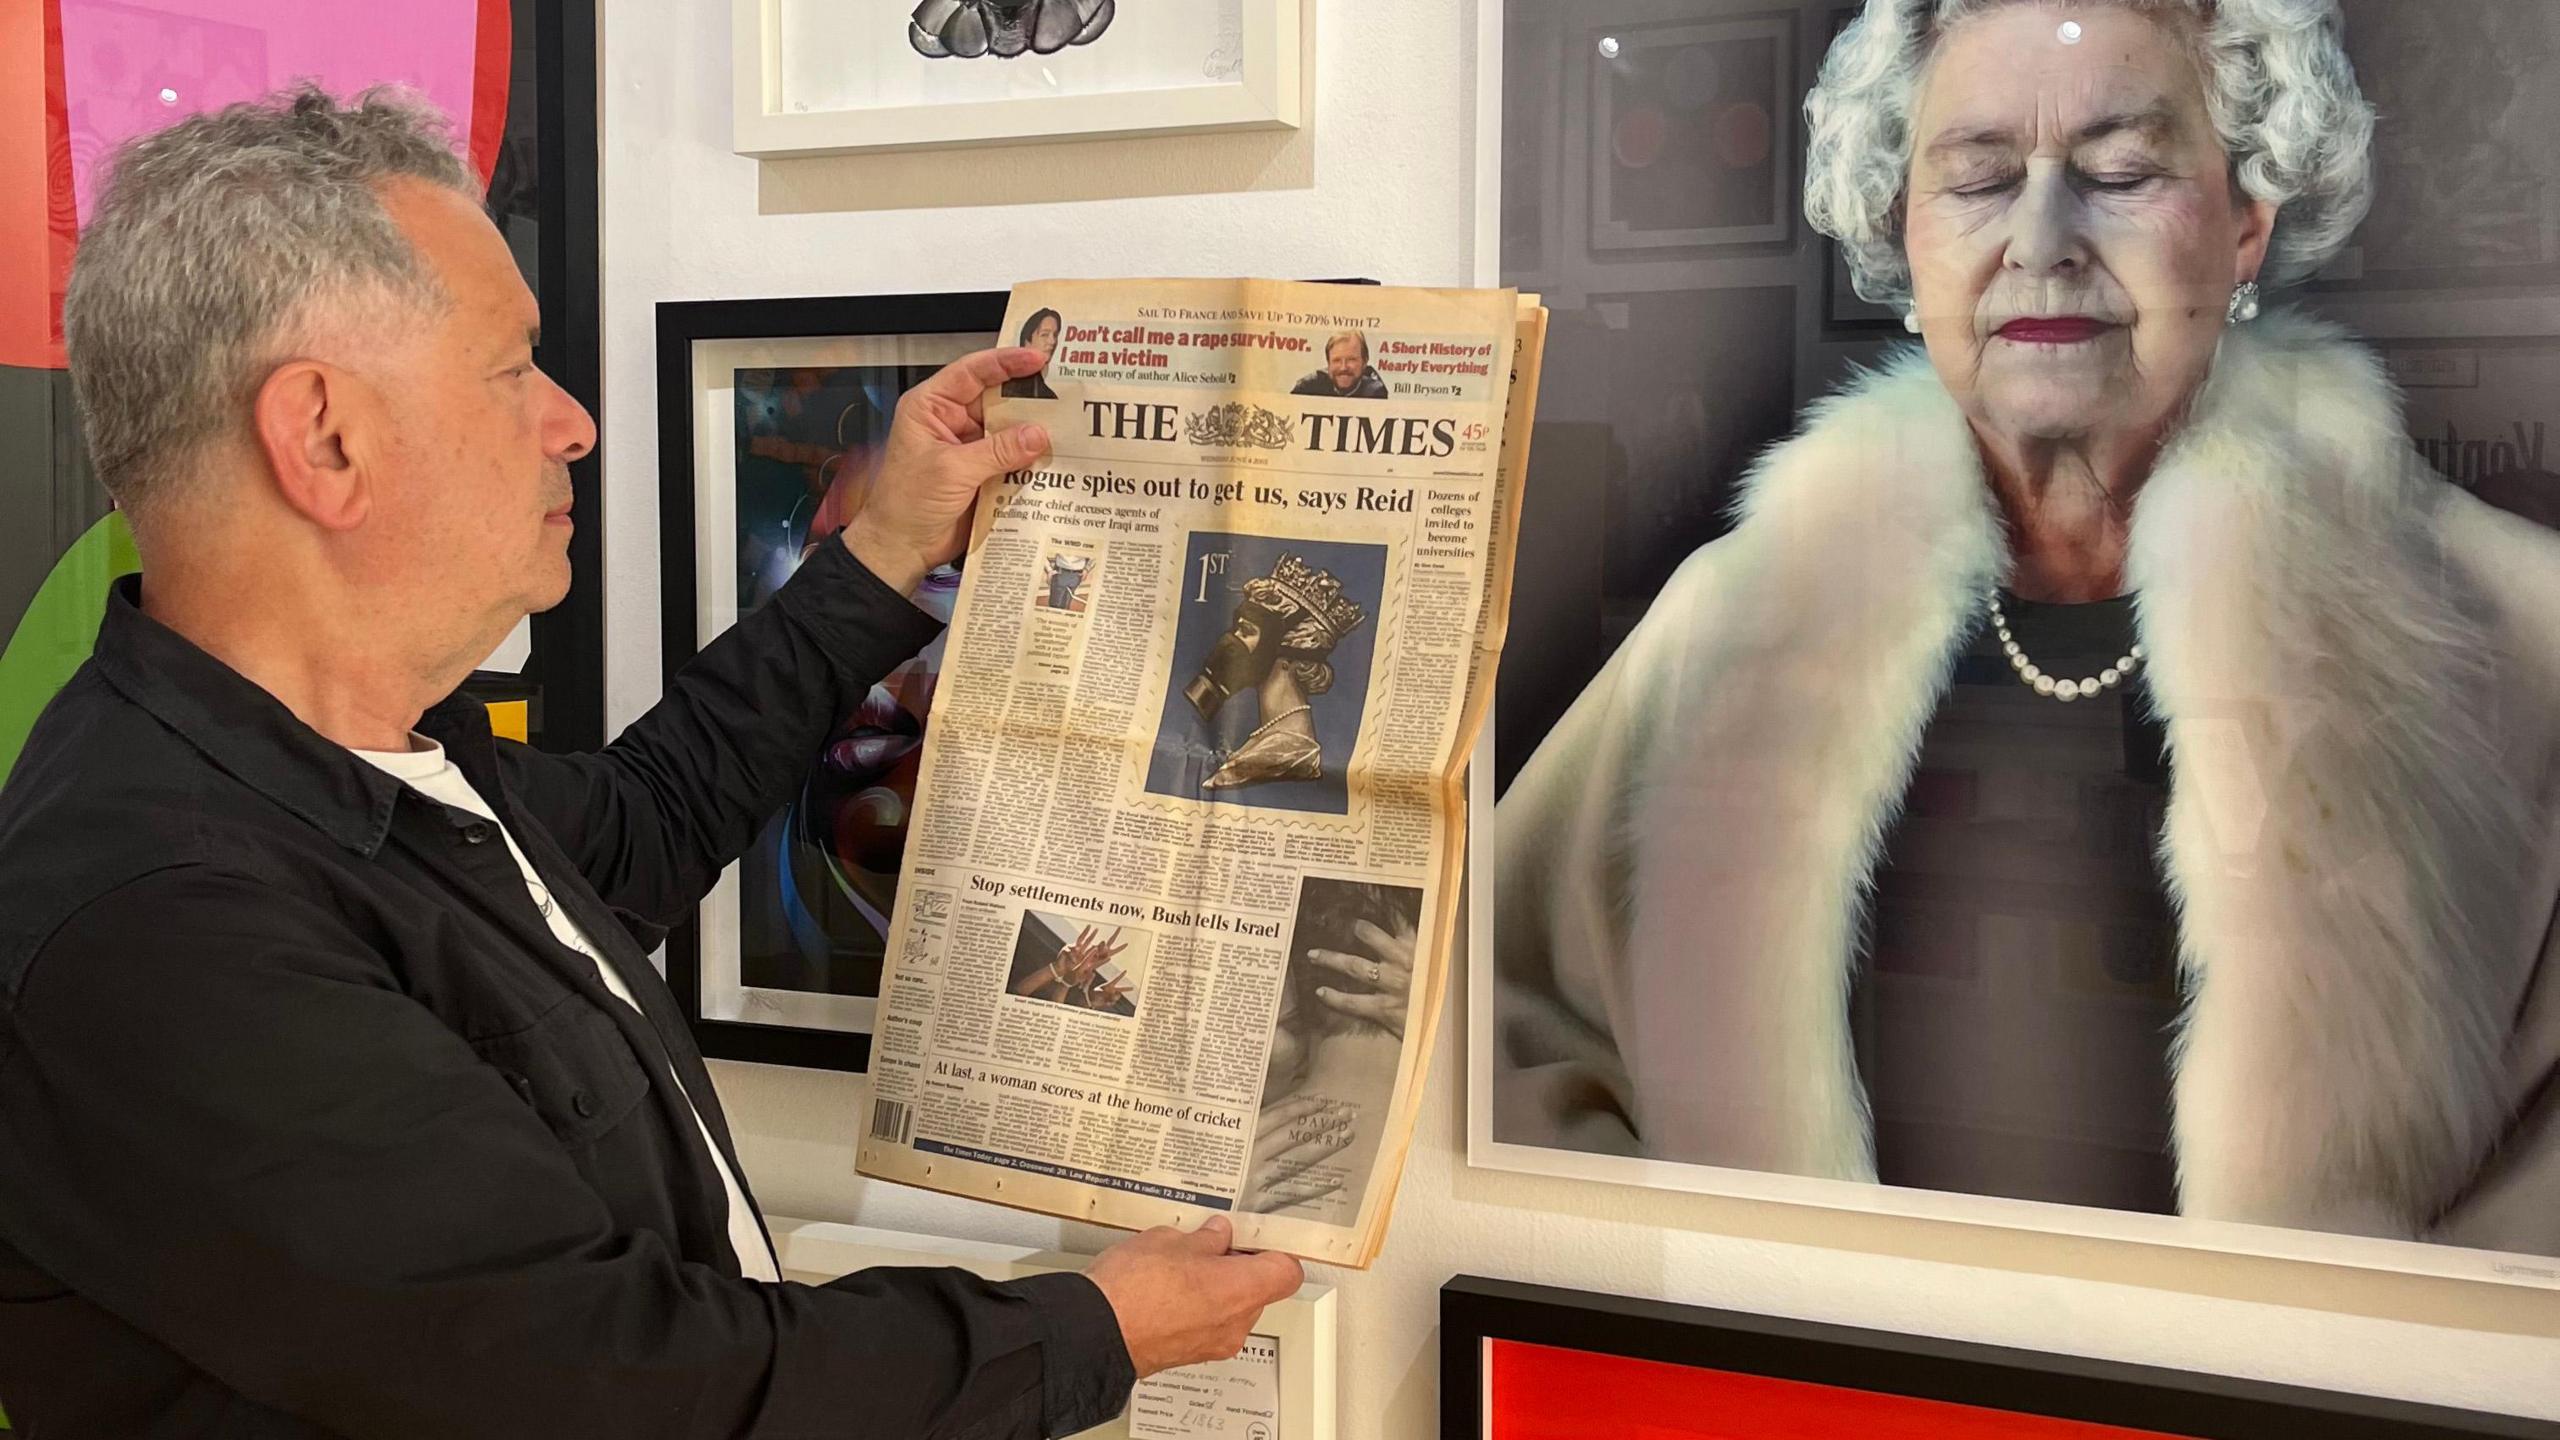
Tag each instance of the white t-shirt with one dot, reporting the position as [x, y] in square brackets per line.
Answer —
[431, 774]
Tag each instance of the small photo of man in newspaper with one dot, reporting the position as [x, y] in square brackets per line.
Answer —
[1062, 582]
[1347, 373]
[1071, 962]
[1270, 676]
[1335, 1045]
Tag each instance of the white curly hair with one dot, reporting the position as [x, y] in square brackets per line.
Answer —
[2277, 82]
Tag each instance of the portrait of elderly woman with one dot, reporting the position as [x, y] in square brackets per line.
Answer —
[2101, 764]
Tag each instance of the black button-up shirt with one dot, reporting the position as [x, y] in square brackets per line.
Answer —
[309, 1126]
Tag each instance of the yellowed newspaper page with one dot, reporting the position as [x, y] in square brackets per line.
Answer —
[1180, 889]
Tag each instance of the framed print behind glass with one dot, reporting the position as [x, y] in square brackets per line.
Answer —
[836, 76]
[1533, 1362]
[772, 415]
[1838, 856]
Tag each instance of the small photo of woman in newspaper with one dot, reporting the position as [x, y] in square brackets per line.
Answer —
[1334, 1048]
[1065, 961]
[1270, 676]
[1041, 333]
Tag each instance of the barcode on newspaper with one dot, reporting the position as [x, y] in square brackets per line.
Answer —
[889, 1121]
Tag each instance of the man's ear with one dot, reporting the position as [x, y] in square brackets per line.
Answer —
[301, 415]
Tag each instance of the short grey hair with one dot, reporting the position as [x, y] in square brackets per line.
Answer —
[212, 245]
[2277, 82]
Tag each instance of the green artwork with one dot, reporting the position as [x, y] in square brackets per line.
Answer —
[56, 633]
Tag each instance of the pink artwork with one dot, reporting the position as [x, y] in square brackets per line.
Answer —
[128, 69]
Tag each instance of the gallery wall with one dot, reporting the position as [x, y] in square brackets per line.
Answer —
[1385, 183]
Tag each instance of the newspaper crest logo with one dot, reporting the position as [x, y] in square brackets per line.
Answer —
[1236, 424]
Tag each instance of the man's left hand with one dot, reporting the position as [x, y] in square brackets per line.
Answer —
[939, 456]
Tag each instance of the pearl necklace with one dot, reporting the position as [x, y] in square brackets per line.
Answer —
[2063, 690]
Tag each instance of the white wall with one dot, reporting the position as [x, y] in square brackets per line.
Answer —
[1384, 186]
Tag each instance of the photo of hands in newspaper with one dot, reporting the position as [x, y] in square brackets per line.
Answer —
[1334, 1046]
[1178, 908]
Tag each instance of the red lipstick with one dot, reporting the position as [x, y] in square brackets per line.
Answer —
[2053, 330]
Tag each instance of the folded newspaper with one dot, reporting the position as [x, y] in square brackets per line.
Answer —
[1180, 900]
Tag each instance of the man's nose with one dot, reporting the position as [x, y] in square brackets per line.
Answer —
[568, 432]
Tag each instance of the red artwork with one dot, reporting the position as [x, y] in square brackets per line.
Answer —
[73, 85]
[1542, 1393]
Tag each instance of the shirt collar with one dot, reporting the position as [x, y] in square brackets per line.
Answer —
[242, 729]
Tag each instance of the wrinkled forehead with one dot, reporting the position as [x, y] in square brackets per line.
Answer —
[2039, 76]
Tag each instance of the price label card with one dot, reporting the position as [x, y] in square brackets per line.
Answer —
[1235, 1399]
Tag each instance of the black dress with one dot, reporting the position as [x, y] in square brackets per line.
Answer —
[2017, 990]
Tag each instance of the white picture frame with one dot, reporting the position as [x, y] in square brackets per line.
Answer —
[1263, 88]
[1475, 1000]
[1303, 1326]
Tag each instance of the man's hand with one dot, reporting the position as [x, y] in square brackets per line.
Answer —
[938, 457]
[1182, 1298]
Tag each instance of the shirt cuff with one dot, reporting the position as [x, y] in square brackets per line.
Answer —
[869, 628]
[1085, 1371]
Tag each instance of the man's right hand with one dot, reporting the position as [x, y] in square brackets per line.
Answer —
[1181, 1298]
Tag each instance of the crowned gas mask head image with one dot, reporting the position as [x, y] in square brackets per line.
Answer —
[1293, 616]
[1268, 684]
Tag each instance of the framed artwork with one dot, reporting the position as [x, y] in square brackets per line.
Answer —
[819, 77]
[518, 81]
[1960, 989]
[771, 418]
[1530, 1362]
[1693, 136]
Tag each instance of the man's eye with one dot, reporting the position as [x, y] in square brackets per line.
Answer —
[1987, 185]
[2121, 182]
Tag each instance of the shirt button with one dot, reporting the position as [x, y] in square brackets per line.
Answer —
[584, 1104]
[475, 834]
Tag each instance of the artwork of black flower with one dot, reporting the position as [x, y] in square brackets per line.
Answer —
[969, 29]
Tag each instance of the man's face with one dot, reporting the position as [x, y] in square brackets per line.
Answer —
[469, 468]
[1344, 362]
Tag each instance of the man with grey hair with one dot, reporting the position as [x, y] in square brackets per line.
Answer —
[323, 1114]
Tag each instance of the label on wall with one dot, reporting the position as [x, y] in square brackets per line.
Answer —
[1235, 1399]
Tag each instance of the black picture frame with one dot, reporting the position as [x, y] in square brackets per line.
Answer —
[681, 325]
[1613, 237]
[568, 640]
[2178, 1403]
[544, 199]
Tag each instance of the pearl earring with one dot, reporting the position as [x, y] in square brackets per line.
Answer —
[1911, 321]
[2244, 303]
